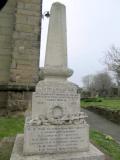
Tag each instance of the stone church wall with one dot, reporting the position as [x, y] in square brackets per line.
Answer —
[20, 32]
[7, 20]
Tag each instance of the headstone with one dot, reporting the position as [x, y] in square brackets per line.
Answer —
[57, 128]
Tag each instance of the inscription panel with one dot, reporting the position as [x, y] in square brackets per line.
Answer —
[48, 98]
[53, 139]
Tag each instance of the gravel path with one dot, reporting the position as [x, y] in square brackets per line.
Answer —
[103, 125]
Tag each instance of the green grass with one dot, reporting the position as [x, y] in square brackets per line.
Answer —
[11, 126]
[106, 103]
[107, 145]
[6, 150]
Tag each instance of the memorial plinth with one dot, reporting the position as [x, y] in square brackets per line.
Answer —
[53, 139]
[56, 125]
[57, 128]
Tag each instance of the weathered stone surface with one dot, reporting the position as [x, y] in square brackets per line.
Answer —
[55, 139]
[50, 94]
[20, 27]
[56, 50]
[3, 102]
[14, 101]
[26, 30]
[6, 31]
[56, 129]
[92, 154]
[56, 126]
[14, 22]
[56, 104]
[18, 101]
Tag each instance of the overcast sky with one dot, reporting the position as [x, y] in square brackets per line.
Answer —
[92, 27]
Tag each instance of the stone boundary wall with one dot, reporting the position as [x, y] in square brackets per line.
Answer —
[112, 115]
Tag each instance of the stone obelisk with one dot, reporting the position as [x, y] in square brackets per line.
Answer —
[56, 49]
[57, 128]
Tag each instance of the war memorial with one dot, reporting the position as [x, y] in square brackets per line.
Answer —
[56, 128]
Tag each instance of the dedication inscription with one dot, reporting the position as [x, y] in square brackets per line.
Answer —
[57, 126]
[48, 96]
[55, 139]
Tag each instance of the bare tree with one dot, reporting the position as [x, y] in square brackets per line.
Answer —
[112, 60]
[99, 83]
[87, 82]
[102, 83]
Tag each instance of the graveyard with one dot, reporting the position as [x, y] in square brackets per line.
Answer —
[107, 145]
[45, 118]
[113, 104]
[108, 108]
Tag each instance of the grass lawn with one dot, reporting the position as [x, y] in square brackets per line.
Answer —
[106, 144]
[6, 150]
[12, 126]
[106, 103]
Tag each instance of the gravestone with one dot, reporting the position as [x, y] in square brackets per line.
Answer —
[56, 128]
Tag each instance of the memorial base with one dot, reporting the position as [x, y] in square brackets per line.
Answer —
[92, 154]
[50, 139]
